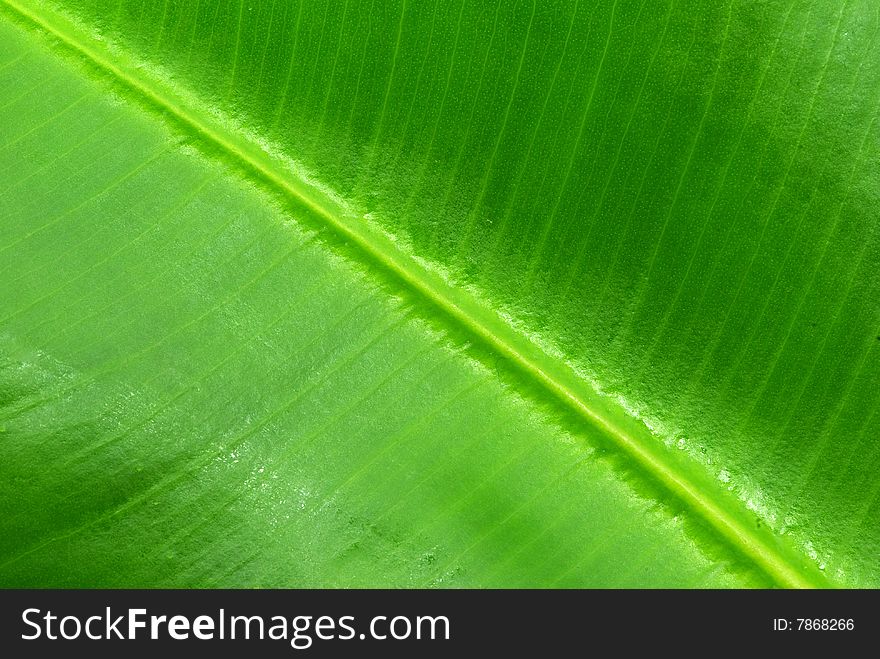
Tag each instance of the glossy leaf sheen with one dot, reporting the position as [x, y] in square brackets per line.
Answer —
[439, 293]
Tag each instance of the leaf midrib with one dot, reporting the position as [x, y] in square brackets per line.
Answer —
[464, 311]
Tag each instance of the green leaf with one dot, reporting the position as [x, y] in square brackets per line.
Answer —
[439, 294]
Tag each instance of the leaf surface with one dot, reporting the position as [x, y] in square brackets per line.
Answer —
[439, 294]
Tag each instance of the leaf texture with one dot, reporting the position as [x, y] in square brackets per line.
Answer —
[439, 294]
